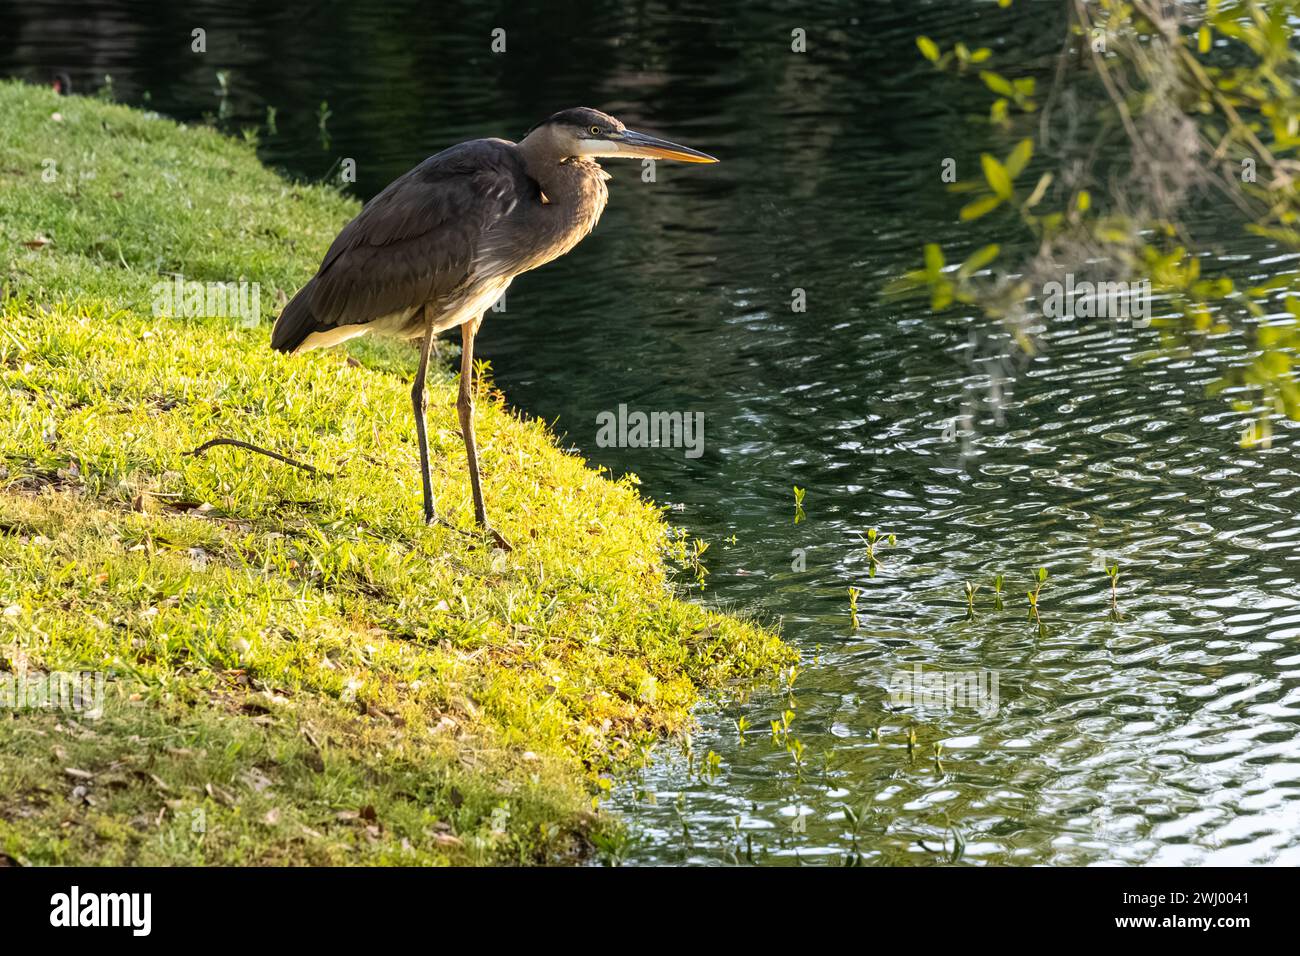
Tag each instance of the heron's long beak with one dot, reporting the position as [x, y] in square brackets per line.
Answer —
[640, 146]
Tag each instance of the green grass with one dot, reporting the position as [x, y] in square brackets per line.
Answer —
[299, 670]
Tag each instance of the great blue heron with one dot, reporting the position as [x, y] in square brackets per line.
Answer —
[442, 242]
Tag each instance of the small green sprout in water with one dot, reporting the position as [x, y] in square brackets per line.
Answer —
[958, 843]
[938, 757]
[679, 807]
[742, 725]
[911, 742]
[997, 593]
[223, 95]
[874, 562]
[971, 590]
[323, 114]
[798, 504]
[695, 561]
[1112, 572]
[796, 750]
[1033, 595]
[854, 818]
[712, 765]
[853, 606]
[781, 728]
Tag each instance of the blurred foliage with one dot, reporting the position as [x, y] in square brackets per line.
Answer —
[1185, 103]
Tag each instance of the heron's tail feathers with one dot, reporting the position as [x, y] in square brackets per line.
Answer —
[295, 323]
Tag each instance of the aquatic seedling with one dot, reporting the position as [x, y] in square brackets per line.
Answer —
[855, 819]
[1033, 595]
[323, 114]
[694, 560]
[742, 725]
[853, 606]
[1112, 572]
[798, 503]
[874, 562]
[712, 765]
[795, 749]
[997, 593]
[971, 590]
[958, 843]
[679, 808]
[781, 728]
[911, 743]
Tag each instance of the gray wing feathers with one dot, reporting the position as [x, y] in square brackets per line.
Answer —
[417, 240]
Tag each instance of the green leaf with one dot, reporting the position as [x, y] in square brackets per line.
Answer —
[1040, 190]
[997, 83]
[1019, 157]
[941, 295]
[980, 207]
[996, 175]
[978, 260]
[928, 49]
[933, 260]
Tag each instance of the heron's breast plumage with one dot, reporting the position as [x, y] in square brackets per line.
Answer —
[570, 198]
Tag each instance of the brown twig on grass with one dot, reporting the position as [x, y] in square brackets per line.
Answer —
[236, 443]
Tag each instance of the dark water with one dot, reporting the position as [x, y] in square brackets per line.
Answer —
[1167, 736]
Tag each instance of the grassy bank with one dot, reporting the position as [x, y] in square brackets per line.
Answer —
[298, 670]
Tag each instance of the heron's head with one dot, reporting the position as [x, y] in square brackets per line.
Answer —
[592, 134]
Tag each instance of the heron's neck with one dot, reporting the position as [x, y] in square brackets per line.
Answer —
[564, 179]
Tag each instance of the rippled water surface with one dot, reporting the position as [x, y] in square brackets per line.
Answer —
[1167, 735]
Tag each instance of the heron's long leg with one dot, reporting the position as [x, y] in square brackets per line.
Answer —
[465, 408]
[418, 402]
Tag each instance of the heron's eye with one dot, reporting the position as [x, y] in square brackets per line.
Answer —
[595, 131]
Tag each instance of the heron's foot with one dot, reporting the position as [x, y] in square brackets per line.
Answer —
[495, 535]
